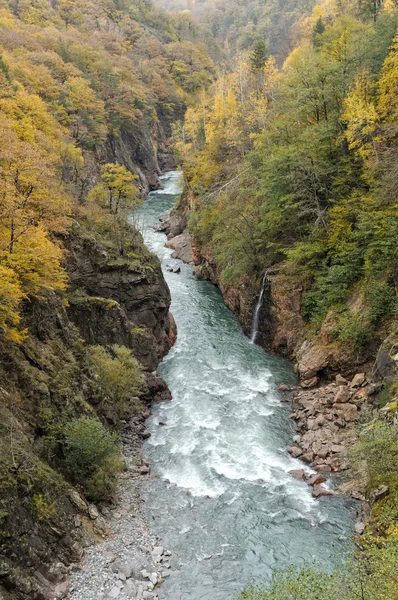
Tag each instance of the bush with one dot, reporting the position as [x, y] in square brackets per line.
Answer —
[353, 328]
[375, 455]
[92, 455]
[118, 378]
[370, 576]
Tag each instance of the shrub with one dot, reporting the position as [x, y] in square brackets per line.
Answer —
[375, 455]
[92, 455]
[118, 378]
[369, 576]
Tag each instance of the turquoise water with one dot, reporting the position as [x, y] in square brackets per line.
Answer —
[223, 501]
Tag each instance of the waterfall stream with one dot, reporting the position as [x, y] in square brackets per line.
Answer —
[257, 310]
[221, 497]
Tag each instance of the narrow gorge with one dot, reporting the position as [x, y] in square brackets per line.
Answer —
[198, 300]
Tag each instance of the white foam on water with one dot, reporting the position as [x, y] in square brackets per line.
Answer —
[187, 477]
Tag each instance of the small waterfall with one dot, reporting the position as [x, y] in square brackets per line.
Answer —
[256, 317]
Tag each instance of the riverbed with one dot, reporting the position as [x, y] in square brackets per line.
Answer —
[223, 501]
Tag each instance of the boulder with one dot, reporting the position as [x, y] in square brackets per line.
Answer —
[295, 451]
[130, 589]
[316, 479]
[351, 414]
[323, 468]
[309, 383]
[308, 457]
[342, 395]
[319, 491]
[336, 448]
[77, 500]
[323, 452]
[359, 380]
[340, 380]
[381, 492]
[93, 512]
[359, 528]
[297, 474]
[181, 244]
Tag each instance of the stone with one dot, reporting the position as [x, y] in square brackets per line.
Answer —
[61, 590]
[144, 470]
[146, 434]
[147, 594]
[165, 573]
[114, 593]
[334, 463]
[323, 468]
[297, 439]
[308, 457]
[336, 449]
[310, 383]
[295, 451]
[145, 574]
[153, 578]
[77, 500]
[359, 380]
[93, 512]
[319, 491]
[283, 388]
[130, 589]
[342, 395]
[297, 474]
[351, 414]
[315, 479]
[157, 551]
[181, 244]
[320, 421]
[381, 492]
[323, 452]
[359, 528]
[311, 424]
[340, 380]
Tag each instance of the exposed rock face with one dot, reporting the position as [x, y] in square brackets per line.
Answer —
[181, 244]
[386, 364]
[282, 328]
[240, 298]
[127, 301]
[146, 153]
[45, 523]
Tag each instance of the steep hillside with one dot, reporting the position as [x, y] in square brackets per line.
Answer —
[291, 181]
[88, 93]
[235, 27]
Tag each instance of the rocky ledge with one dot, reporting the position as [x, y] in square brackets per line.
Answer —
[178, 237]
[325, 418]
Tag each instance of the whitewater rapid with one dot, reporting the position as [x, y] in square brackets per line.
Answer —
[223, 500]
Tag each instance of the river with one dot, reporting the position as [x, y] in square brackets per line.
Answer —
[224, 502]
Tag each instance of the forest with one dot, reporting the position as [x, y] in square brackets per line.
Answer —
[283, 117]
[291, 171]
[74, 80]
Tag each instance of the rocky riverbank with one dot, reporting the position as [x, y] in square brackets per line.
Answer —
[325, 418]
[129, 563]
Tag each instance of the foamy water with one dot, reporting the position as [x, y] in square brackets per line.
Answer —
[223, 501]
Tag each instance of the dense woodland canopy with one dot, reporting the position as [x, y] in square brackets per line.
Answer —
[290, 157]
[292, 170]
[295, 167]
[235, 26]
[75, 77]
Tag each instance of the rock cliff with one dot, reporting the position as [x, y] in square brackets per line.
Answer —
[45, 523]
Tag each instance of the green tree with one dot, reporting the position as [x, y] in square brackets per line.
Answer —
[259, 55]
